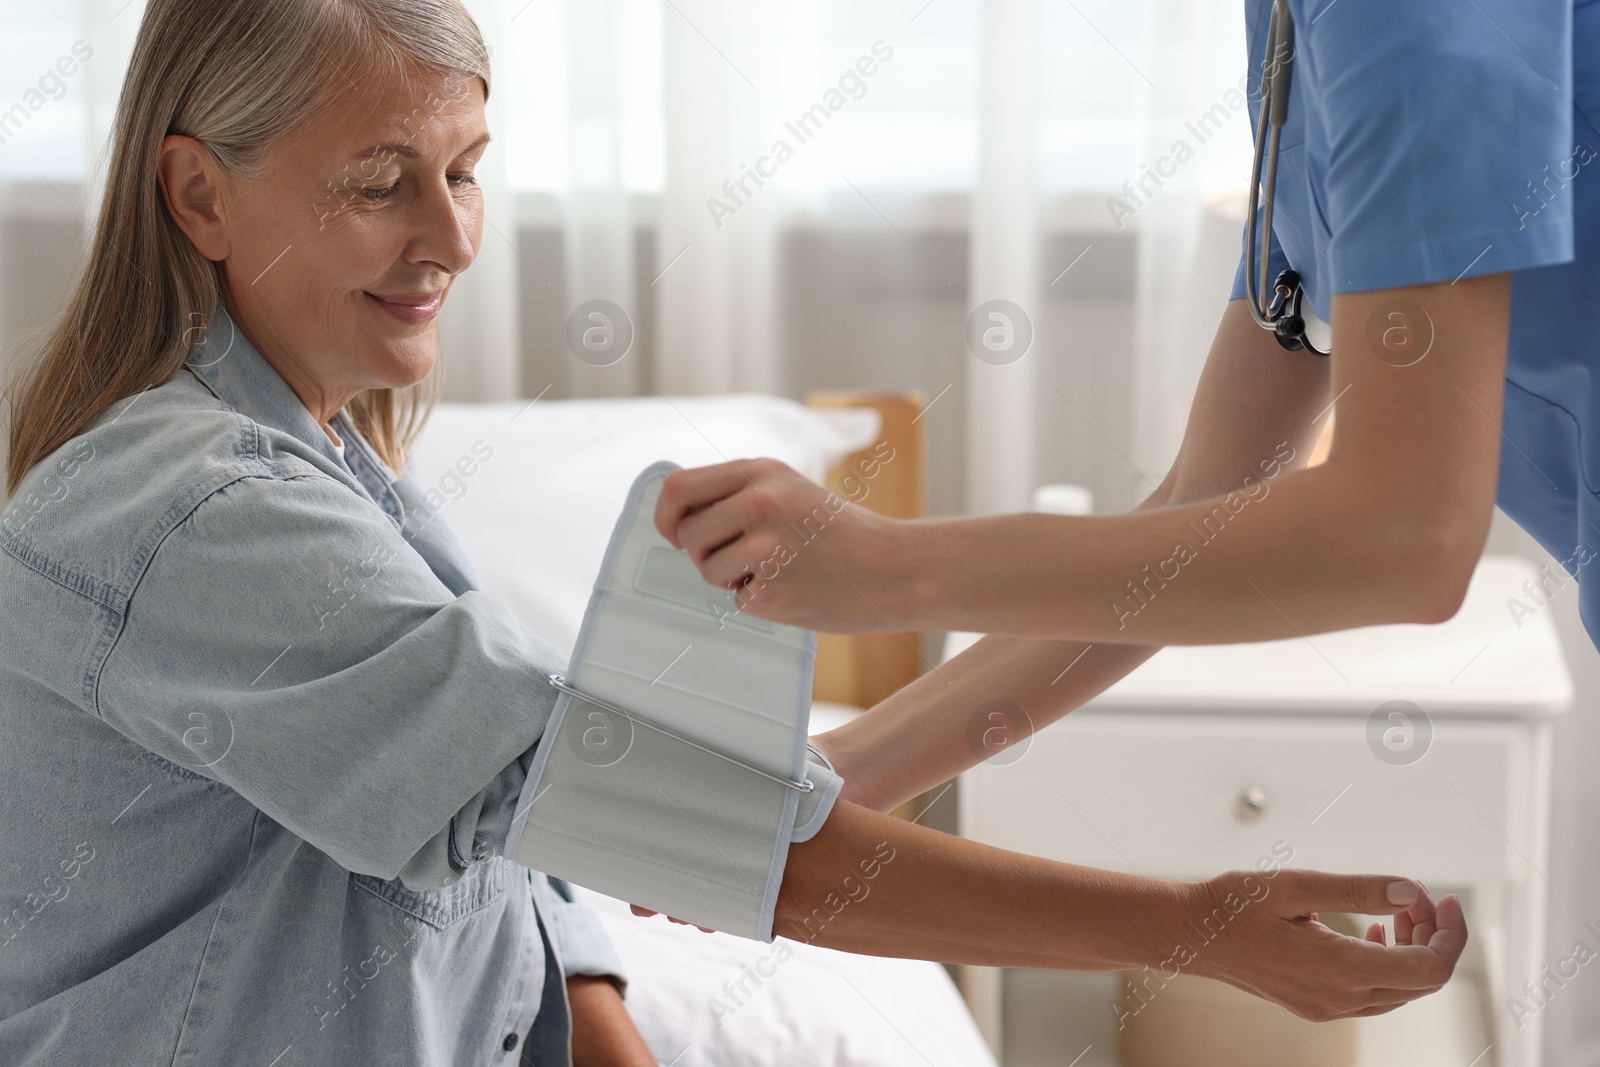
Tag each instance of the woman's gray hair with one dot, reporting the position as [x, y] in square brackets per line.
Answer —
[237, 75]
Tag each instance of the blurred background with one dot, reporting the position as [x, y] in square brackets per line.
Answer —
[788, 198]
[975, 163]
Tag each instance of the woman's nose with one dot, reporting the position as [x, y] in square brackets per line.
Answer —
[448, 227]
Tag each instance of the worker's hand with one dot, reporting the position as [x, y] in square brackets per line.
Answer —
[645, 913]
[1273, 946]
[792, 550]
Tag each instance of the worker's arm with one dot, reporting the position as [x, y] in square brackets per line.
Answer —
[1253, 396]
[1387, 530]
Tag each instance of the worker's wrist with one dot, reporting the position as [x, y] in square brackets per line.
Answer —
[912, 574]
[850, 764]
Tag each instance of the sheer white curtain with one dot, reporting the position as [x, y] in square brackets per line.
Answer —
[694, 158]
[715, 286]
[1196, 132]
[479, 337]
[1022, 115]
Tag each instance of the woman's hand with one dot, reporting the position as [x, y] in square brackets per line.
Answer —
[793, 551]
[1271, 944]
[603, 1033]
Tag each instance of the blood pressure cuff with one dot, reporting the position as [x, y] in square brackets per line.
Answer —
[664, 782]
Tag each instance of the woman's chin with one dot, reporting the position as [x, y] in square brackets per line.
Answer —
[406, 364]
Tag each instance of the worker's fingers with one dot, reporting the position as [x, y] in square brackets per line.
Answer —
[711, 528]
[645, 913]
[684, 491]
[1375, 934]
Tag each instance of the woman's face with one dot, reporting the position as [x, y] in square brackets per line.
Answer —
[335, 264]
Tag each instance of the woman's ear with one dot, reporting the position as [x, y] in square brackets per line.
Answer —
[190, 186]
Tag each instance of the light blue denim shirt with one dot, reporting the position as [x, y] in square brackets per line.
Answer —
[260, 743]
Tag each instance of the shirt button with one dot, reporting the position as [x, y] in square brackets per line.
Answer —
[509, 1043]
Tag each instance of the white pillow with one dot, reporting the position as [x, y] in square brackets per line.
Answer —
[533, 490]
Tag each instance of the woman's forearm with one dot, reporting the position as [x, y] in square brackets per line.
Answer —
[873, 884]
[603, 1033]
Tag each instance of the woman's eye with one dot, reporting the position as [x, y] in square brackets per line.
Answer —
[459, 180]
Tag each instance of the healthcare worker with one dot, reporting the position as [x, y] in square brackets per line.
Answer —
[1435, 187]
[262, 737]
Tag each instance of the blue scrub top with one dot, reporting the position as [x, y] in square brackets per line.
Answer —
[1430, 140]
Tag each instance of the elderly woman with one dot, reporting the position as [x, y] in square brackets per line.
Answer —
[263, 736]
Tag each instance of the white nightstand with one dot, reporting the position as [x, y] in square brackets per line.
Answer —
[1206, 756]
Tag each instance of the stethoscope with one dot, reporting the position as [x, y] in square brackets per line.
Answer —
[1279, 311]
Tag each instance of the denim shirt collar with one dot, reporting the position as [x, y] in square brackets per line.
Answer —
[237, 374]
[234, 370]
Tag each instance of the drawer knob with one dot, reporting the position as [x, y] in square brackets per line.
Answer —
[1251, 805]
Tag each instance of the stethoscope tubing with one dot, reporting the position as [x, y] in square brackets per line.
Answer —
[1279, 311]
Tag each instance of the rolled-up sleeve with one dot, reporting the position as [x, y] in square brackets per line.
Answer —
[580, 937]
[286, 641]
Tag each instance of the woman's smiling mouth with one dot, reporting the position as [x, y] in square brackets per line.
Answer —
[411, 308]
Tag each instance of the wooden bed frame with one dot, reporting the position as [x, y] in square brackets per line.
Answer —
[862, 669]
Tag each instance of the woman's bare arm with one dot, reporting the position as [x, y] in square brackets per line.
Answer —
[603, 1033]
[874, 884]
